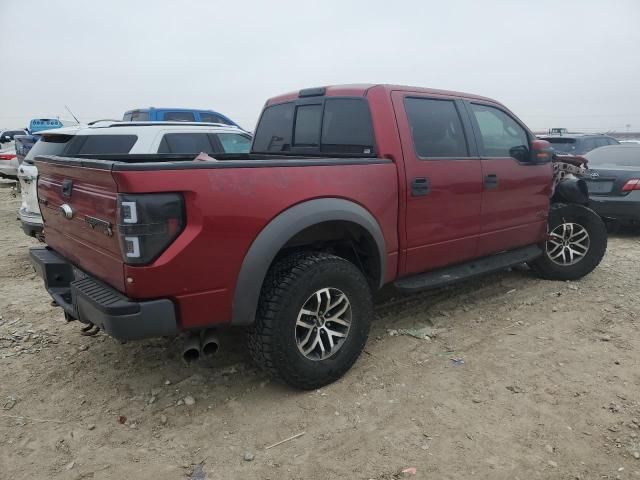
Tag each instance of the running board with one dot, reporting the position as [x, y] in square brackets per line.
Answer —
[464, 271]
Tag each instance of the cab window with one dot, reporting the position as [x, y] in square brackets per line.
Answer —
[500, 135]
[436, 128]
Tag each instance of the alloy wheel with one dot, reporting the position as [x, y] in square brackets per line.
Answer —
[323, 324]
[568, 243]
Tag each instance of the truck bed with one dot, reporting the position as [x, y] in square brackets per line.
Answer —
[227, 204]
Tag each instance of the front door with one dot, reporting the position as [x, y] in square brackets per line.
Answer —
[515, 198]
[443, 181]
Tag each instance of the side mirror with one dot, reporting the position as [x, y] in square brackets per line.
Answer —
[541, 152]
[5, 139]
[520, 153]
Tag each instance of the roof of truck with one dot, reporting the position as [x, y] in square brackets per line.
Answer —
[360, 90]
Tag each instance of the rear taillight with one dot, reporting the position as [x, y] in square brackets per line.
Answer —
[148, 223]
[7, 156]
[633, 184]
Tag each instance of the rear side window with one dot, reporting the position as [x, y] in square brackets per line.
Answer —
[333, 125]
[48, 145]
[500, 135]
[436, 128]
[179, 116]
[187, 143]
[346, 126]
[212, 118]
[100, 144]
[234, 142]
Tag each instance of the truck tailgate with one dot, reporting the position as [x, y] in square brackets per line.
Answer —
[86, 234]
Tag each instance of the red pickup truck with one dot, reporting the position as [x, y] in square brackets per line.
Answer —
[346, 189]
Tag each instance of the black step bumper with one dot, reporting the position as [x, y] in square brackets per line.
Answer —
[88, 300]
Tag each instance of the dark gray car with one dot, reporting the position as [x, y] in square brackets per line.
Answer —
[613, 178]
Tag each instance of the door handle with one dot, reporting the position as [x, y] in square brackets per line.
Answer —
[420, 186]
[491, 180]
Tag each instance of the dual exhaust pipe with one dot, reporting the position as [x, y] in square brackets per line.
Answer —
[204, 344]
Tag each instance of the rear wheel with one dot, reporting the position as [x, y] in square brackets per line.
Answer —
[313, 319]
[576, 244]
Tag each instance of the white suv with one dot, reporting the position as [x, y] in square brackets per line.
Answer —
[108, 137]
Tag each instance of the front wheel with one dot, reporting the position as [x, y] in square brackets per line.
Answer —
[575, 246]
[313, 319]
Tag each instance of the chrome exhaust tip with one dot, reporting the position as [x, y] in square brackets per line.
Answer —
[191, 350]
[210, 343]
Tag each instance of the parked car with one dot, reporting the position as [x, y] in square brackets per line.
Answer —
[23, 143]
[121, 138]
[347, 188]
[8, 161]
[614, 183]
[577, 143]
[153, 114]
[6, 136]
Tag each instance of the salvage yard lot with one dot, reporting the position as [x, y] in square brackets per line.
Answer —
[520, 378]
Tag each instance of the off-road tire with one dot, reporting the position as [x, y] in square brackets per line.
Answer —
[595, 227]
[289, 283]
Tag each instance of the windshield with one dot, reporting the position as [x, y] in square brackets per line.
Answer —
[619, 156]
[563, 145]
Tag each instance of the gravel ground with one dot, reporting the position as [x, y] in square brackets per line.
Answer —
[518, 378]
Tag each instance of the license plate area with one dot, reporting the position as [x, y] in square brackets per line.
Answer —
[603, 186]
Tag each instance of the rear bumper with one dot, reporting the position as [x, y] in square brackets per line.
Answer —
[88, 300]
[31, 223]
[32, 229]
[624, 209]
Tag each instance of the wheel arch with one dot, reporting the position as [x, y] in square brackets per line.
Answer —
[294, 223]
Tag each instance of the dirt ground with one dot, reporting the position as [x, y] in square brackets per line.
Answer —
[520, 379]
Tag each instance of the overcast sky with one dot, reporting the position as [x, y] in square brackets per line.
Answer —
[555, 63]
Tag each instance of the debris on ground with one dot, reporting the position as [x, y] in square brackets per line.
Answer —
[457, 361]
[292, 437]
[515, 389]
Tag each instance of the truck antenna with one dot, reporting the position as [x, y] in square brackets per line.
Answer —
[74, 117]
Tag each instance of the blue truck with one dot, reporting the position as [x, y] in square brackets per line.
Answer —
[153, 114]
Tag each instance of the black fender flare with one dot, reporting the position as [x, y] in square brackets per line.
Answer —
[278, 232]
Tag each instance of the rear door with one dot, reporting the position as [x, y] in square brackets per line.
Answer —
[443, 177]
[515, 195]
